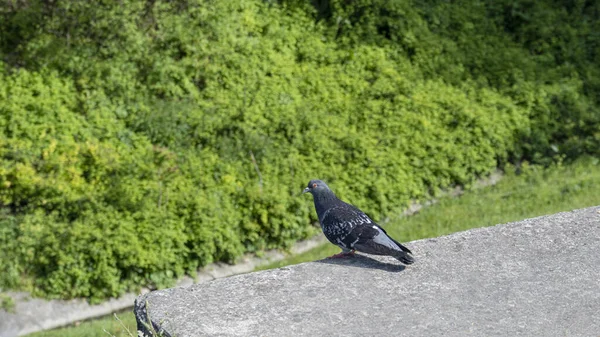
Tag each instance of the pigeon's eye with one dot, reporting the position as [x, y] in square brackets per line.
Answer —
[314, 185]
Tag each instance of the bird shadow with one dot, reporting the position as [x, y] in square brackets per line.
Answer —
[362, 261]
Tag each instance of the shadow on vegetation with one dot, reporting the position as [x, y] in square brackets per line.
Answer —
[362, 261]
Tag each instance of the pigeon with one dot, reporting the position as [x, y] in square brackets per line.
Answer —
[349, 228]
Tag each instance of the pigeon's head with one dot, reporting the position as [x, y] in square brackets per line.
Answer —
[316, 187]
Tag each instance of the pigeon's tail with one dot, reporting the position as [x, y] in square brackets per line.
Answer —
[404, 255]
[405, 258]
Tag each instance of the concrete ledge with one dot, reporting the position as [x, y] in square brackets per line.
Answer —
[537, 277]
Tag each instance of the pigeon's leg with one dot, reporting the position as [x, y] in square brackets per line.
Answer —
[343, 253]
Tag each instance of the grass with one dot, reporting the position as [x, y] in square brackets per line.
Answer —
[533, 192]
[121, 324]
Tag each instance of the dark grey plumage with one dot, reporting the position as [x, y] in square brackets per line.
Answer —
[349, 228]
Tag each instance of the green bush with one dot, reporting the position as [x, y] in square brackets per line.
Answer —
[142, 140]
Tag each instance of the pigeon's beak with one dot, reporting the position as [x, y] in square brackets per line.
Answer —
[305, 190]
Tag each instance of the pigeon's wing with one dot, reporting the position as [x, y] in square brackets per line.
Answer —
[402, 247]
[339, 222]
[372, 239]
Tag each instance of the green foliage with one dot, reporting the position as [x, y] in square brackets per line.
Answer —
[542, 55]
[142, 140]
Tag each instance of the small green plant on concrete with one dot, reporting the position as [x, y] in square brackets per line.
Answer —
[7, 303]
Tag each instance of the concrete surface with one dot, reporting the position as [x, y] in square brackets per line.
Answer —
[537, 277]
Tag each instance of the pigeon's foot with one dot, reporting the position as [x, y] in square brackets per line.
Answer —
[342, 254]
